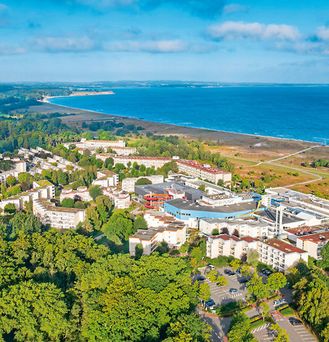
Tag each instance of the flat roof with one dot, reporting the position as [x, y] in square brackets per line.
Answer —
[270, 216]
[230, 208]
[283, 246]
[316, 238]
[199, 166]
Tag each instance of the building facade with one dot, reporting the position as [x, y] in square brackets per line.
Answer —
[57, 217]
[205, 171]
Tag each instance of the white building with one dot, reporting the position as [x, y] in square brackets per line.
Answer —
[313, 243]
[106, 178]
[155, 162]
[128, 184]
[241, 227]
[205, 171]
[93, 145]
[157, 219]
[41, 190]
[276, 253]
[57, 217]
[80, 194]
[279, 254]
[120, 199]
[229, 245]
[174, 235]
[19, 166]
[120, 151]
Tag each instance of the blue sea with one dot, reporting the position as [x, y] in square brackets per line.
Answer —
[293, 112]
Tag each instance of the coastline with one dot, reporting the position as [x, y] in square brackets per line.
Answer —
[141, 121]
[252, 143]
[46, 99]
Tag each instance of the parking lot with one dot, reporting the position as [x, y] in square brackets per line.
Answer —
[296, 333]
[221, 294]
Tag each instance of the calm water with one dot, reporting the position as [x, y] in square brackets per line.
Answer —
[280, 111]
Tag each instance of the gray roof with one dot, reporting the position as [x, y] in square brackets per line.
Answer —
[231, 208]
[191, 193]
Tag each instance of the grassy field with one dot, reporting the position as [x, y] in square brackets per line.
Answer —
[256, 163]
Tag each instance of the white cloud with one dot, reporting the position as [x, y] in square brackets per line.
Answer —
[323, 33]
[243, 30]
[11, 50]
[64, 44]
[152, 46]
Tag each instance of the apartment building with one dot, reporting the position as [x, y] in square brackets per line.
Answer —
[41, 190]
[106, 178]
[93, 145]
[313, 243]
[240, 227]
[120, 151]
[174, 235]
[279, 254]
[229, 245]
[204, 171]
[80, 194]
[128, 184]
[57, 217]
[120, 199]
[19, 166]
[155, 162]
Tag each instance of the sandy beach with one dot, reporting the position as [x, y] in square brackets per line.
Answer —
[77, 116]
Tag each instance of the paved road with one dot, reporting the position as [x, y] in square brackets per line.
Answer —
[288, 155]
[296, 333]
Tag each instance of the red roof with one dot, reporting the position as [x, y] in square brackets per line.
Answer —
[248, 239]
[283, 246]
[316, 238]
[201, 167]
[142, 158]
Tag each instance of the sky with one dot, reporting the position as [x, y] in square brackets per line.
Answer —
[274, 41]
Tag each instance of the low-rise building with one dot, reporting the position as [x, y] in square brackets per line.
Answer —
[19, 166]
[192, 212]
[128, 184]
[120, 151]
[313, 243]
[80, 194]
[279, 254]
[155, 162]
[240, 227]
[174, 235]
[93, 145]
[57, 217]
[42, 189]
[229, 245]
[204, 171]
[106, 178]
[120, 199]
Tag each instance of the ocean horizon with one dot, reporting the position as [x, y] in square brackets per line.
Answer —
[288, 112]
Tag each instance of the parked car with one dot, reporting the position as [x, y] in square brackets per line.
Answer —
[210, 304]
[294, 321]
[243, 280]
[199, 277]
[266, 272]
[229, 272]
[211, 266]
[279, 302]
[232, 290]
